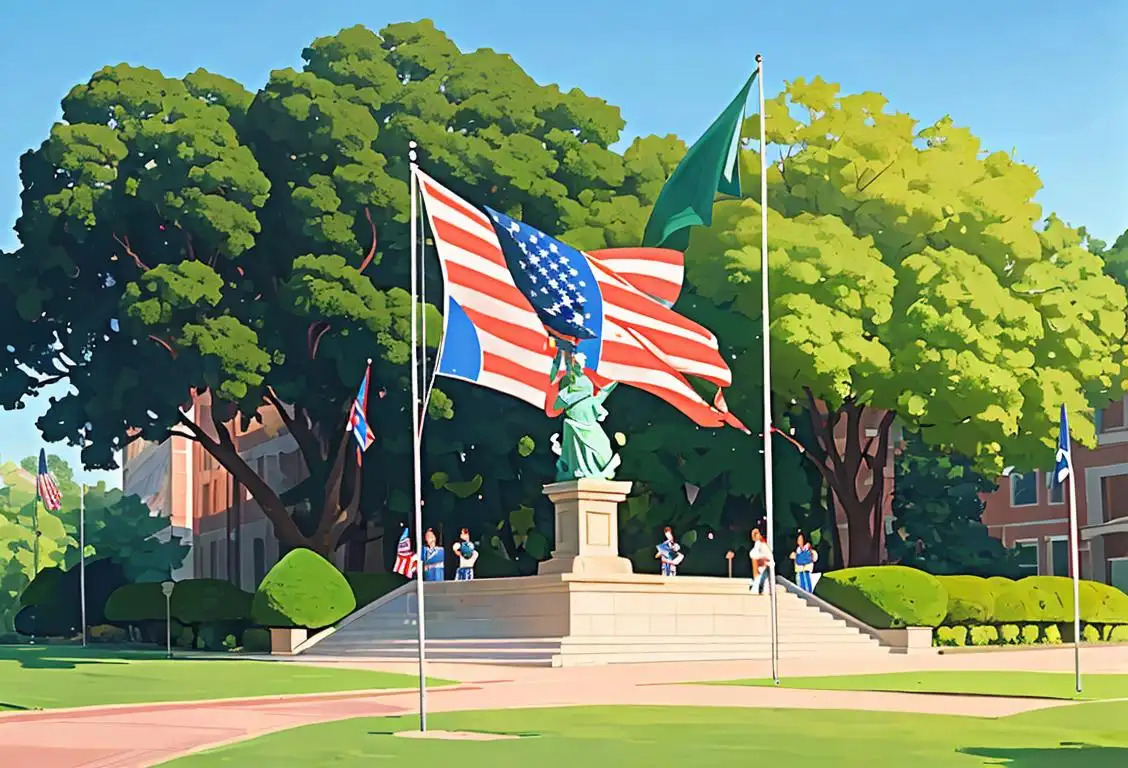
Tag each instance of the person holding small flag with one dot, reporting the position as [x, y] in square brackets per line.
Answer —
[405, 556]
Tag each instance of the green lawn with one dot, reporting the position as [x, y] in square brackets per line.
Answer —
[1090, 735]
[45, 677]
[1042, 685]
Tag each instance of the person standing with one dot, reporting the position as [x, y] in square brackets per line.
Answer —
[467, 556]
[762, 561]
[669, 552]
[434, 558]
[805, 558]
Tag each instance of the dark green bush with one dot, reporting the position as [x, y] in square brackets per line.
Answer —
[48, 620]
[368, 587]
[196, 602]
[971, 599]
[256, 640]
[887, 596]
[136, 603]
[302, 590]
[51, 602]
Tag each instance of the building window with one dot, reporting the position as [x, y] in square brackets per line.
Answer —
[1027, 557]
[1024, 489]
[1059, 556]
[259, 555]
[1055, 491]
[1118, 573]
[206, 500]
[1112, 417]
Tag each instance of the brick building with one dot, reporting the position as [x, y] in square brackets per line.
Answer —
[1026, 511]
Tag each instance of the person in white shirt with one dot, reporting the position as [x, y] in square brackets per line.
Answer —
[762, 561]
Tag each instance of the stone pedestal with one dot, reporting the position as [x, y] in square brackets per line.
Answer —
[587, 527]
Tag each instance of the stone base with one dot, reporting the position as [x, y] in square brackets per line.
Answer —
[914, 640]
[283, 642]
[590, 565]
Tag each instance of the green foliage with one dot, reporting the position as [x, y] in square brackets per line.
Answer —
[196, 602]
[970, 599]
[1049, 599]
[135, 603]
[107, 633]
[938, 515]
[886, 597]
[1030, 634]
[367, 587]
[303, 589]
[983, 635]
[1051, 635]
[1116, 634]
[256, 640]
[951, 636]
[1009, 634]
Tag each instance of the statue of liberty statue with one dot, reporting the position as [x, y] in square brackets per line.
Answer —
[584, 450]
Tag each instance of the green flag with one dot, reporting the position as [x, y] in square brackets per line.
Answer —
[710, 167]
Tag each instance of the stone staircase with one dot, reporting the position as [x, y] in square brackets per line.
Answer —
[573, 621]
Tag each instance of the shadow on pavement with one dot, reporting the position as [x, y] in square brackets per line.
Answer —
[1066, 755]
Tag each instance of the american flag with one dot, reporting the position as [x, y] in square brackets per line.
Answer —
[358, 421]
[405, 557]
[46, 487]
[511, 289]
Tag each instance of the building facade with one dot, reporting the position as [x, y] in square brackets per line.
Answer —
[1028, 512]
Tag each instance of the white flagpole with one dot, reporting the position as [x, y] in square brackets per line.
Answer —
[82, 554]
[1075, 557]
[765, 323]
[416, 422]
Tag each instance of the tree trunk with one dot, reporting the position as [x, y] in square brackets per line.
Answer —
[842, 467]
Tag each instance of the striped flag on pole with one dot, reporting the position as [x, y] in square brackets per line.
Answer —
[45, 486]
[405, 557]
[358, 419]
[513, 291]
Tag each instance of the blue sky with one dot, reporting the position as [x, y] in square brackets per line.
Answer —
[1039, 77]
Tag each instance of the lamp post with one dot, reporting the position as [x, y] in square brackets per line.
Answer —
[729, 556]
[166, 588]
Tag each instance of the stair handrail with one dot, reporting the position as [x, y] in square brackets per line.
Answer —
[812, 599]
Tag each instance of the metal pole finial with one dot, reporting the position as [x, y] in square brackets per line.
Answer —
[759, 58]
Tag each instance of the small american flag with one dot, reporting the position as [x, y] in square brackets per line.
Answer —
[45, 486]
[405, 556]
[513, 290]
[358, 420]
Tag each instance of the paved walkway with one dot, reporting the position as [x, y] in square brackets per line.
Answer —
[137, 736]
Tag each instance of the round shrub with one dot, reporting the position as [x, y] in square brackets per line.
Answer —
[971, 599]
[984, 635]
[1103, 604]
[1052, 635]
[999, 583]
[369, 587]
[1090, 634]
[886, 596]
[1009, 634]
[1118, 634]
[302, 590]
[208, 601]
[1030, 634]
[135, 603]
[951, 636]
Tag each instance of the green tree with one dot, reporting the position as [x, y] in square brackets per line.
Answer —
[912, 275]
[938, 515]
[17, 551]
[186, 238]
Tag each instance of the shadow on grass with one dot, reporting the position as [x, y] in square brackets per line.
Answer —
[69, 657]
[412, 723]
[1066, 755]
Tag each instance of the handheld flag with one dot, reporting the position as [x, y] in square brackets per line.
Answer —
[358, 420]
[1064, 465]
[405, 557]
[711, 166]
[45, 486]
[514, 293]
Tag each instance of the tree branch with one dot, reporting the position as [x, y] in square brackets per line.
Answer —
[129, 252]
[164, 344]
[300, 429]
[877, 467]
[371, 251]
[313, 336]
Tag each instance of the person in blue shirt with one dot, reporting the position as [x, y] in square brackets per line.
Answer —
[434, 558]
[805, 558]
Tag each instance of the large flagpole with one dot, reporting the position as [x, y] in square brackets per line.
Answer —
[416, 421]
[1075, 557]
[765, 323]
[82, 552]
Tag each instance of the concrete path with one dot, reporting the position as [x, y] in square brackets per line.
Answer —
[137, 736]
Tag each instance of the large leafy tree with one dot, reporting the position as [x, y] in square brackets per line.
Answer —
[186, 240]
[913, 276]
[938, 515]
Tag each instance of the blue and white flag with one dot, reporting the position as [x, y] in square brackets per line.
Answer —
[1064, 465]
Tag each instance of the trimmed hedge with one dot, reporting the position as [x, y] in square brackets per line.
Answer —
[886, 596]
[369, 587]
[196, 602]
[971, 599]
[302, 590]
[136, 603]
